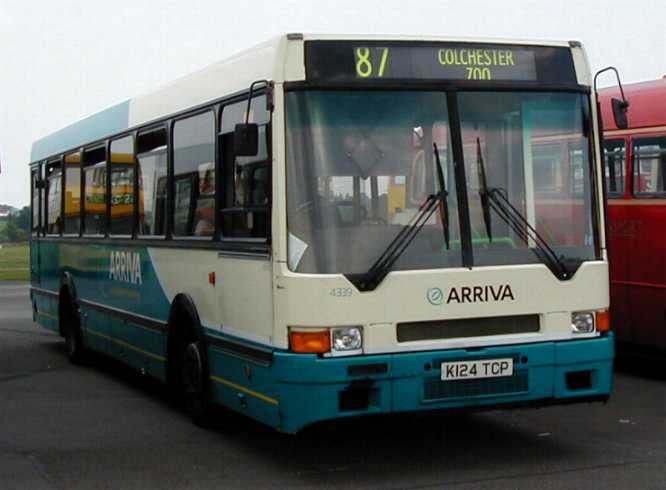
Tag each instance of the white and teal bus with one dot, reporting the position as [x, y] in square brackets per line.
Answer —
[333, 226]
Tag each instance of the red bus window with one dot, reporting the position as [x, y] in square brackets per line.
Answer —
[649, 166]
[615, 154]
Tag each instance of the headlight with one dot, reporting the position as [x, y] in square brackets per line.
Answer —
[347, 339]
[582, 322]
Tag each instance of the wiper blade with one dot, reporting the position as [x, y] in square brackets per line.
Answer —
[369, 280]
[513, 217]
[483, 191]
[443, 197]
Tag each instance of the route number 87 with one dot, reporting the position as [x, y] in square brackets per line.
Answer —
[364, 63]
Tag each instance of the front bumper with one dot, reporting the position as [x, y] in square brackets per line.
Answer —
[312, 389]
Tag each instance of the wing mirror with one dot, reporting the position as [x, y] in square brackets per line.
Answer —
[246, 140]
[620, 108]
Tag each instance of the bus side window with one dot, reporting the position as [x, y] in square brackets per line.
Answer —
[36, 195]
[194, 175]
[72, 213]
[123, 165]
[54, 198]
[614, 161]
[649, 166]
[152, 166]
[247, 180]
[94, 191]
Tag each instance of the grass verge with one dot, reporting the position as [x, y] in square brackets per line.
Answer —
[14, 262]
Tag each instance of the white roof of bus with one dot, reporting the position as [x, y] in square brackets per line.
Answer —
[276, 59]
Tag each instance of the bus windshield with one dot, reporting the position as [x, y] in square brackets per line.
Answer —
[361, 164]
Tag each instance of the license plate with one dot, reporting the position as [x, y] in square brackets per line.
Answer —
[486, 368]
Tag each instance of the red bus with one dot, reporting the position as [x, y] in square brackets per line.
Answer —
[636, 188]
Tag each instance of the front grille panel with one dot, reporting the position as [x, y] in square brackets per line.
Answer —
[467, 327]
[436, 389]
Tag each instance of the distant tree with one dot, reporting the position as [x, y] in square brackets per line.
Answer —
[22, 219]
[12, 231]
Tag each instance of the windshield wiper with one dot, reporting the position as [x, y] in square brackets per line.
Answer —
[497, 200]
[369, 280]
[510, 214]
[443, 197]
[483, 191]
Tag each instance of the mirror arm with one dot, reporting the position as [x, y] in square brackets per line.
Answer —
[269, 86]
[619, 83]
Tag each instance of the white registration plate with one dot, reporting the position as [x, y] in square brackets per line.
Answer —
[486, 368]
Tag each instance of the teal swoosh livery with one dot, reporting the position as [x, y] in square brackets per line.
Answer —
[105, 123]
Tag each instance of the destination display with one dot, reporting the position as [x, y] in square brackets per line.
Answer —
[358, 61]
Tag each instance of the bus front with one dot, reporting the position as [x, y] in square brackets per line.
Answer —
[444, 231]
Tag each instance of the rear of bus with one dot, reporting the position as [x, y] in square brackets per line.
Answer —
[441, 242]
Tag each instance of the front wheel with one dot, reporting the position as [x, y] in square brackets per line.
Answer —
[195, 383]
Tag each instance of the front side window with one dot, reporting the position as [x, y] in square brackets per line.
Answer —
[614, 162]
[194, 176]
[649, 166]
[360, 166]
[94, 185]
[73, 193]
[54, 198]
[152, 162]
[247, 180]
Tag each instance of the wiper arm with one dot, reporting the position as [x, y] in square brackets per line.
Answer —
[443, 197]
[513, 217]
[369, 280]
[483, 191]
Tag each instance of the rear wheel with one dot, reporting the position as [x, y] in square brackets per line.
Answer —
[71, 329]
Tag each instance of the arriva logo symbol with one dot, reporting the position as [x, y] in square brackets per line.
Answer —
[125, 267]
[435, 296]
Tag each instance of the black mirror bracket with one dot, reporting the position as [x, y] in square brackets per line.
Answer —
[269, 97]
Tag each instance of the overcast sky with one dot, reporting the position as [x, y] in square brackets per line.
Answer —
[63, 60]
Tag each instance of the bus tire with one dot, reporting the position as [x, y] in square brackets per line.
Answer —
[70, 322]
[195, 381]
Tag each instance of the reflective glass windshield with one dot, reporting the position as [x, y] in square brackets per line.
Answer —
[362, 163]
[534, 150]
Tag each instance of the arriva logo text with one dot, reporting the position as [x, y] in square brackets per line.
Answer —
[471, 294]
[125, 267]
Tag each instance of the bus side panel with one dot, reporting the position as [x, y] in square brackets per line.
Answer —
[113, 284]
[244, 386]
[46, 305]
[245, 297]
[46, 311]
[49, 265]
[96, 330]
[648, 273]
[621, 238]
[231, 294]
